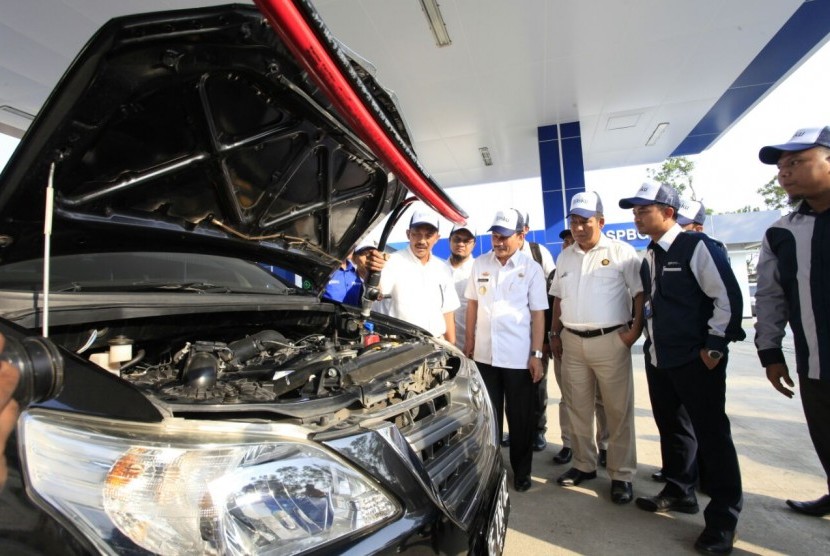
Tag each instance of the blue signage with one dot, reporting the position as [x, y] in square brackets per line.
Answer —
[628, 233]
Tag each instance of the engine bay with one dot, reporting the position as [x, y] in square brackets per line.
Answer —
[217, 362]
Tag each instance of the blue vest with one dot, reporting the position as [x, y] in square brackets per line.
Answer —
[680, 308]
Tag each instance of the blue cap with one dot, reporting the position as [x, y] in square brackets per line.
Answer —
[651, 193]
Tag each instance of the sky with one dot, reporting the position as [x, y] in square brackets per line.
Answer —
[726, 177]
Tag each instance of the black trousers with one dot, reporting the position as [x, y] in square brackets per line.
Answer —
[704, 426]
[542, 399]
[815, 398]
[515, 388]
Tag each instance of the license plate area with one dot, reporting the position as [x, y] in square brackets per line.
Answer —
[497, 528]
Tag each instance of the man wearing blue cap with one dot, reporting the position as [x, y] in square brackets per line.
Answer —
[794, 287]
[691, 215]
[505, 330]
[596, 282]
[693, 309]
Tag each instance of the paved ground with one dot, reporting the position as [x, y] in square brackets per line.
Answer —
[777, 462]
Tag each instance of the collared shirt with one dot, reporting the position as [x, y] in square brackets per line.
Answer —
[345, 285]
[595, 287]
[460, 276]
[794, 287]
[506, 295]
[417, 293]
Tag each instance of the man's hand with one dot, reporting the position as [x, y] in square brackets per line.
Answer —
[556, 346]
[629, 336]
[778, 372]
[708, 361]
[376, 260]
[536, 369]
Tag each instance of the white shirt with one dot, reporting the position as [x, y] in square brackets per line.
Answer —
[460, 276]
[417, 293]
[506, 295]
[595, 288]
[547, 259]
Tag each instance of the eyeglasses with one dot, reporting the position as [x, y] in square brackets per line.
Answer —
[459, 239]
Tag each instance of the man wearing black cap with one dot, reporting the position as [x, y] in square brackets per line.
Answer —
[794, 287]
[693, 309]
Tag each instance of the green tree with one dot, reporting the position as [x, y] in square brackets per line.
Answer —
[677, 172]
[748, 208]
[774, 195]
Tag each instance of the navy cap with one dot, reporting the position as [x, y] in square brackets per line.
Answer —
[691, 212]
[801, 140]
[651, 193]
[564, 233]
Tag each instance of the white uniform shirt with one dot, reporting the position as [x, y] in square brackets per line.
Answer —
[417, 293]
[547, 259]
[505, 295]
[460, 276]
[595, 288]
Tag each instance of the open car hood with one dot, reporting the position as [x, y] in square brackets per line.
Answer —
[205, 131]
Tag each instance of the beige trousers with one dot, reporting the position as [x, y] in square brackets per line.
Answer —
[602, 362]
[565, 421]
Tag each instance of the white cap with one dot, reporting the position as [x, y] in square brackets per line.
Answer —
[691, 212]
[507, 222]
[466, 226]
[586, 204]
[424, 216]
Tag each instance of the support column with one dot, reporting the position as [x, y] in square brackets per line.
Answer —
[563, 176]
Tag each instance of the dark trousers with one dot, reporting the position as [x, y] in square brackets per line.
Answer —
[815, 398]
[702, 426]
[515, 388]
[542, 399]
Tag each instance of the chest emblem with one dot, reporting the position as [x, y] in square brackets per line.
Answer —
[605, 262]
[482, 290]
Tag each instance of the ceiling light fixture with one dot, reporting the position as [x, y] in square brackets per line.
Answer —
[485, 155]
[655, 135]
[436, 22]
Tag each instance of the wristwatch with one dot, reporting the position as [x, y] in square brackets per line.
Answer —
[537, 354]
[714, 354]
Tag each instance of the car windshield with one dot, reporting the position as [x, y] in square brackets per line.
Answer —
[146, 271]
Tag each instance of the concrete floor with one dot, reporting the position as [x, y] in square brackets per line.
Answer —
[777, 462]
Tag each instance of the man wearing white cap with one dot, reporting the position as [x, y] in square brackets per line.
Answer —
[693, 309]
[505, 330]
[416, 286]
[596, 282]
[691, 215]
[462, 243]
[794, 287]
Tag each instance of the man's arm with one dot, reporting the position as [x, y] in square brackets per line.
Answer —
[470, 323]
[537, 331]
[556, 329]
[449, 320]
[630, 336]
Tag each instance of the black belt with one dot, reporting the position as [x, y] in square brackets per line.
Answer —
[593, 333]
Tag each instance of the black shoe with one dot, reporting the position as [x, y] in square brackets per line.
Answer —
[564, 456]
[818, 508]
[715, 541]
[505, 440]
[659, 476]
[574, 476]
[521, 485]
[539, 443]
[602, 458]
[663, 503]
[621, 492]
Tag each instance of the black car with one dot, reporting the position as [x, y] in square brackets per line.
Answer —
[169, 222]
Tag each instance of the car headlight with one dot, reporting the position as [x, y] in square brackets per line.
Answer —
[196, 488]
